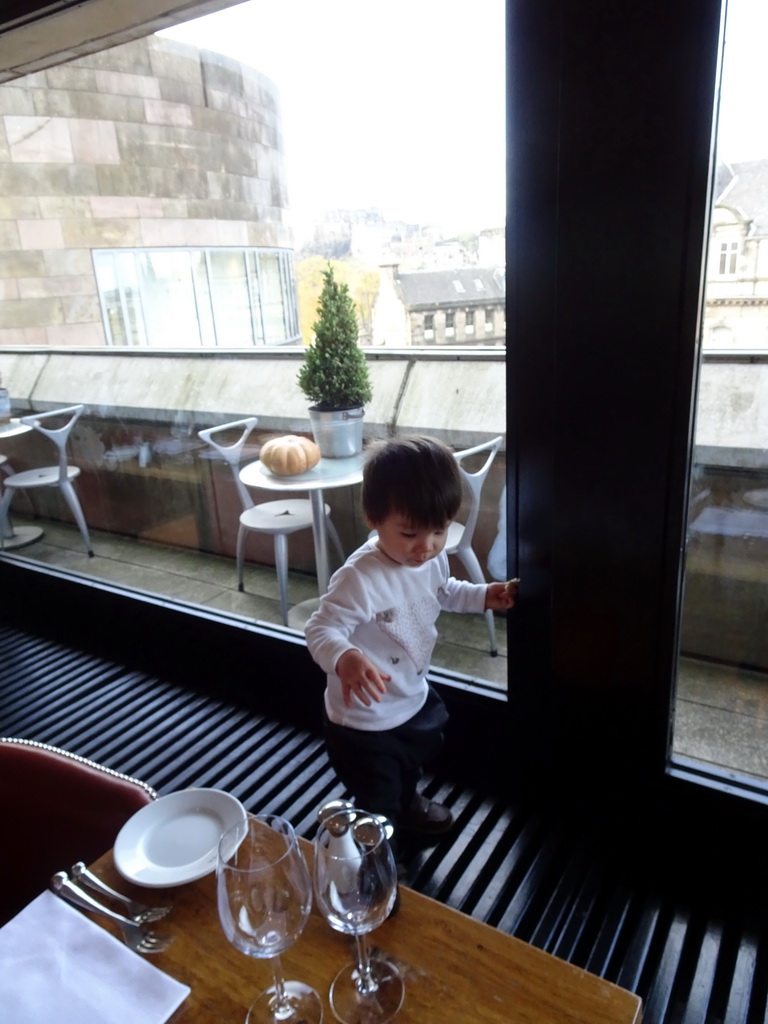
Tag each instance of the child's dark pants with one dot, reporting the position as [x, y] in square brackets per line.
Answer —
[382, 769]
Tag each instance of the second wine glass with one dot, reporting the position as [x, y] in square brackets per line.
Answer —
[355, 886]
[264, 898]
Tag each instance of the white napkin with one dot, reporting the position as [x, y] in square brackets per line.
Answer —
[58, 965]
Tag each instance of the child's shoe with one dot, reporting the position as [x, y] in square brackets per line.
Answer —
[425, 816]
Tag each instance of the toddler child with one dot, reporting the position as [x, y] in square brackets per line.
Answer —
[374, 632]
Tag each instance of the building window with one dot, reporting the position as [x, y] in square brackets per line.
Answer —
[429, 327]
[450, 325]
[729, 252]
[469, 328]
[489, 321]
[189, 298]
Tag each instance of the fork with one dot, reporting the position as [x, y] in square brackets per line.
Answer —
[137, 937]
[138, 912]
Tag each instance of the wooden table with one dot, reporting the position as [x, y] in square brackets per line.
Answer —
[457, 970]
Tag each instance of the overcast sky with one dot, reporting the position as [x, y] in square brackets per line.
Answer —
[400, 104]
[396, 104]
[742, 131]
[743, 125]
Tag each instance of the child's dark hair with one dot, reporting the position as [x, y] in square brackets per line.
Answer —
[417, 477]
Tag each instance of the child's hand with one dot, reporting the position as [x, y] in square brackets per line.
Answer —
[501, 596]
[360, 677]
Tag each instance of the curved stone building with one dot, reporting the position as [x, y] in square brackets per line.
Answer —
[143, 202]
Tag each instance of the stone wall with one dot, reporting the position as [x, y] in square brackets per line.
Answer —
[149, 144]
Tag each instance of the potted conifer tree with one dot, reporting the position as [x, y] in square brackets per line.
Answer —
[335, 375]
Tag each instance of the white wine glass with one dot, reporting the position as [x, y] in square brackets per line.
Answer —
[355, 888]
[264, 893]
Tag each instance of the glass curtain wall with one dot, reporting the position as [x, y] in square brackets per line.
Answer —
[167, 295]
[183, 298]
[206, 325]
[271, 291]
[230, 298]
[721, 705]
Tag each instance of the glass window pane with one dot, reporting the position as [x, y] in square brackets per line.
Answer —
[168, 299]
[257, 321]
[109, 293]
[199, 246]
[231, 301]
[289, 291]
[211, 297]
[270, 281]
[203, 298]
[130, 294]
[721, 701]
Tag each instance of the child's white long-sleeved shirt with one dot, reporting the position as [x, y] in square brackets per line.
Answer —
[388, 611]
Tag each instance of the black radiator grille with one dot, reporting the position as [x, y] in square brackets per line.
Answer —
[524, 869]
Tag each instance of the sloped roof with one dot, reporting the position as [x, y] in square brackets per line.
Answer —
[744, 187]
[462, 286]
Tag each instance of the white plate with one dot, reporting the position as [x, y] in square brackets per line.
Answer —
[174, 839]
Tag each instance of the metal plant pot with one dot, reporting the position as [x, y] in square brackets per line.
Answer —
[338, 434]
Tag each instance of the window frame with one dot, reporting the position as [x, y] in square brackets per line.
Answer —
[728, 258]
[598, 498]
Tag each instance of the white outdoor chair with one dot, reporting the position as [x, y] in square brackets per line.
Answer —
[459, 542]
[278, 518]
[497, 556]
[5, 470]
[60, 476]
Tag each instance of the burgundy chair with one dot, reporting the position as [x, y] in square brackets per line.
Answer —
[56, 808]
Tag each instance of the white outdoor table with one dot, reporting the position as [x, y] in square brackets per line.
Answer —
[327, 474]
[21, 535]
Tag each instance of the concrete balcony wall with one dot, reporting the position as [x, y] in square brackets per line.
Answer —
[145, 473]
[732, 410]
[459, 397]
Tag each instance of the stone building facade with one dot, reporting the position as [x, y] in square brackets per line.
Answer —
[461, 306]
[149, 147]
[736, 313]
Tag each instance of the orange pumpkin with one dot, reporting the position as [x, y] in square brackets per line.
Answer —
[290, 455]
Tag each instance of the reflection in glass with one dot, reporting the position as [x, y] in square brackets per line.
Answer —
[184, 298]
[168, 299]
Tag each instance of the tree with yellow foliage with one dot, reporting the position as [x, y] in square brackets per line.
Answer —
[363, 284]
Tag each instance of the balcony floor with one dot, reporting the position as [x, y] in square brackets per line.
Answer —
[210, 581]
[721, 712]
